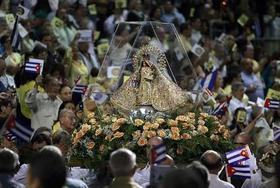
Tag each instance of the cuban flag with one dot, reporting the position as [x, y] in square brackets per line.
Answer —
[19, 127]
[272, 104]
[209, 80]
[238, 171]
[238, 155]
[158, 154]
[34, 66]
[220, 109]
[79, 88]
[276, 132]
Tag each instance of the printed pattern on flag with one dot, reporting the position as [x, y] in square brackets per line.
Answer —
[239, 171]
[272, 104]
[220, 109]
[19, 126]
[32, 67]
[240, 154]
[276, 132]
[209, 80]
[80, 89]
[158, 154]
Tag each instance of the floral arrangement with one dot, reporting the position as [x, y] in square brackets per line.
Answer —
[186, 137]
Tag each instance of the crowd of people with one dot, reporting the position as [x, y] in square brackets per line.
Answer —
[39, 112]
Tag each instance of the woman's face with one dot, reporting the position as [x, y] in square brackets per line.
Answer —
[219, 81]
[66, 94]
[52, 88]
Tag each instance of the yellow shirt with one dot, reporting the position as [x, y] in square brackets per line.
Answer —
[56, 127]
[79, 69]
[21, 94]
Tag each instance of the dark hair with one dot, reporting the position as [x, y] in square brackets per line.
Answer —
[94, 72]
[42, 134]
[9, 161]
[61, 137]
[49, 167]
[201, 172]
[183, 178]
[60, 68]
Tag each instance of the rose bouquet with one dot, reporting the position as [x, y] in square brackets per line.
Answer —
[186, 137]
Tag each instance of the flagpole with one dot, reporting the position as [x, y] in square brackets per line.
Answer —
[228, 178]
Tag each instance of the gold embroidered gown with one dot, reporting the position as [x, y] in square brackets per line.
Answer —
[153, 88]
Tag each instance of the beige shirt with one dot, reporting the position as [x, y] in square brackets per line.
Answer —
[44, 110]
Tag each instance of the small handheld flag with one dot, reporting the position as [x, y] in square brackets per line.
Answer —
[238, 155]
[239, 171]
[272, 104]
[34, 66]
[221, 109]
[209, 80]
[158, 154]
[80, 89]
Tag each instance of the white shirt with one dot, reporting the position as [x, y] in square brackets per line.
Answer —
[44, 110]
[142, 176]
[20, 176]
[216, 182]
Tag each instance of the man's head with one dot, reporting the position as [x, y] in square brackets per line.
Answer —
[168, 6]
[62, 139]
[47, 39]
[123, 162]
[67, 120]
[47, 169]
[247, 66]
[238, 90]
[212, 160]
[41, 138]
[51, 86]
[9, 161]
[242, 139]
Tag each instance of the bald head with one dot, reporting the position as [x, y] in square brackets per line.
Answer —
[212, 160]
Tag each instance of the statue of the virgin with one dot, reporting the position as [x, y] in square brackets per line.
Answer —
[149, 85]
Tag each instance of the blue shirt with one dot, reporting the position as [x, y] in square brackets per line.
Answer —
[252, 79]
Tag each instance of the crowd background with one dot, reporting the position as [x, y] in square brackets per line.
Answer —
[45, 111]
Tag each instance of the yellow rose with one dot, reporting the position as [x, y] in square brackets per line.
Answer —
[92, 121]
[118, 134]
[90, 115]
[226, 134]
[201, 122]
[85, 128]
[214, 137]
[202, 129]
[107, 119]
[121, 121]
[175, 130]
[145, 133]
[160, 121]
[147, 125]
[155, 126]
[115, 126]
[182, 118]
[151, 134]
[204, 115]
[188, 126]
[90, 145]
[98, 132]
[108, 137]
[136, 134]
[161, 133]
[138, 122]
[175, 136]
[79, 135]
[191, 115]
[221, 128]
[172, 122]
[142, 141]
[186, 136]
